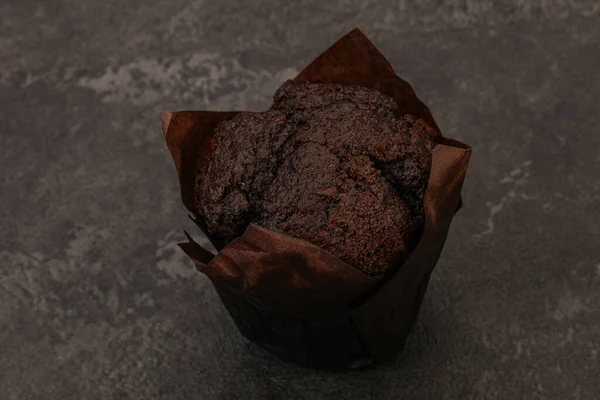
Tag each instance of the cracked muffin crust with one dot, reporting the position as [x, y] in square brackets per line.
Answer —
[339, 166]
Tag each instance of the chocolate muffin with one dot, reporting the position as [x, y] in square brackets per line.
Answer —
[339, 166]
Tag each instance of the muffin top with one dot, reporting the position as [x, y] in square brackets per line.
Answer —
[339, 166]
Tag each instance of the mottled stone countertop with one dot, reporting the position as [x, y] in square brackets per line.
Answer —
[96, 300]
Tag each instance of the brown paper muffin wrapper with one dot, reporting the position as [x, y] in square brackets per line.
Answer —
[294, 298]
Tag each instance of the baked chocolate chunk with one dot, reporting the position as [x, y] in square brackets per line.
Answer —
[339, 166]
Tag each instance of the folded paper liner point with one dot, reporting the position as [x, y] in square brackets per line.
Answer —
[166, 118]
[292, 297]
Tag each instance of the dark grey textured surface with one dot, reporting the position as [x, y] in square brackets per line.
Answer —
[97, 302]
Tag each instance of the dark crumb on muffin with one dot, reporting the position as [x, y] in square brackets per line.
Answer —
[339, 166]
